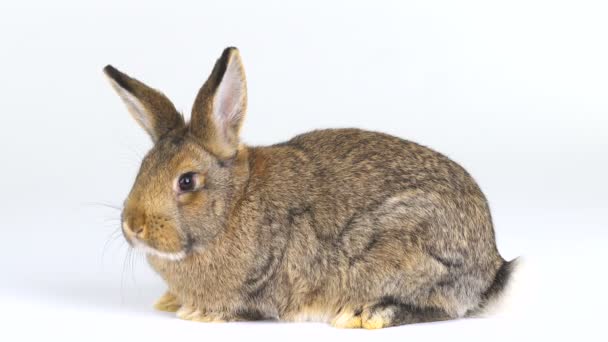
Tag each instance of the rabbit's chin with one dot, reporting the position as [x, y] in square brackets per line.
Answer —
[173, 256]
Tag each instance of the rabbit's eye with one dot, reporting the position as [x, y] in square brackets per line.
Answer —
[186, 181]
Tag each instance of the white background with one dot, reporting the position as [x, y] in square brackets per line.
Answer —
[515, 91]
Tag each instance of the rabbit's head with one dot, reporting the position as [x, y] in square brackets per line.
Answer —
[181, 196]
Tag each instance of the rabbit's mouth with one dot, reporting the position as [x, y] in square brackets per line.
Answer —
[188, 247]
[173, 256]
[165, 243]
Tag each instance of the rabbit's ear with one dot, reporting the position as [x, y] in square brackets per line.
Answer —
[219, 108]
[151, 109]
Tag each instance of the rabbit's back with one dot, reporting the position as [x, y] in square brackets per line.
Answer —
[345, 174]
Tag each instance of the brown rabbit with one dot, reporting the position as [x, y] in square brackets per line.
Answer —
[355, 228]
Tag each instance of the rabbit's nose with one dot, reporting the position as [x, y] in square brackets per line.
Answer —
[134, 226]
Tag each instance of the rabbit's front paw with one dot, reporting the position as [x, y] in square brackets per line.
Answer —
[191, 314]
[168, 302]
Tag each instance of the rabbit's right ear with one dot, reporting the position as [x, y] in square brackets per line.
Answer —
[149, 107]
[219, 108]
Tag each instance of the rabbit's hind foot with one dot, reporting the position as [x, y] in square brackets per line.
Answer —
[347, 319]
[385, 313]
[363, 318]
[390, 312]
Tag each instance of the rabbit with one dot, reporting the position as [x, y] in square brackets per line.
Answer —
[354, 228]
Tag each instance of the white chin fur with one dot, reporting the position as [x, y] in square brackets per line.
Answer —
[176, 256]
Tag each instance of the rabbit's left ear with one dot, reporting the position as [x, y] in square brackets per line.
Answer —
[219, 108]
[154, 112]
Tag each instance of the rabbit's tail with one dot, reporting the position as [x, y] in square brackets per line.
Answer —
[501, 296]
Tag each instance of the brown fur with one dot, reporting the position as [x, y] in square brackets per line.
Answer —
[355, 228]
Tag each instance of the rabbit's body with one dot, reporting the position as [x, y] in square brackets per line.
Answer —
[356, 228]
[335, 221]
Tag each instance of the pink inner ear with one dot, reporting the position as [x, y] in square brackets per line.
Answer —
[228, 102]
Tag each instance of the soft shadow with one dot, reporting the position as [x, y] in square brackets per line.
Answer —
[94, 295]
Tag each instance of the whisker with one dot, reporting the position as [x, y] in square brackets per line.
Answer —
[140, 257]
[133, 261]
[131, 267]
[122, 276]
[101, 204]
[111, 239]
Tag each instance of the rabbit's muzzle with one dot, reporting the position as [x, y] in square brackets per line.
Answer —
[151, 232]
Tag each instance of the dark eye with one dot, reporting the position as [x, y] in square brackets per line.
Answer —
[186, 181]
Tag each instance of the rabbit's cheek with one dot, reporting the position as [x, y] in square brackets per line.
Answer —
[164, 237]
